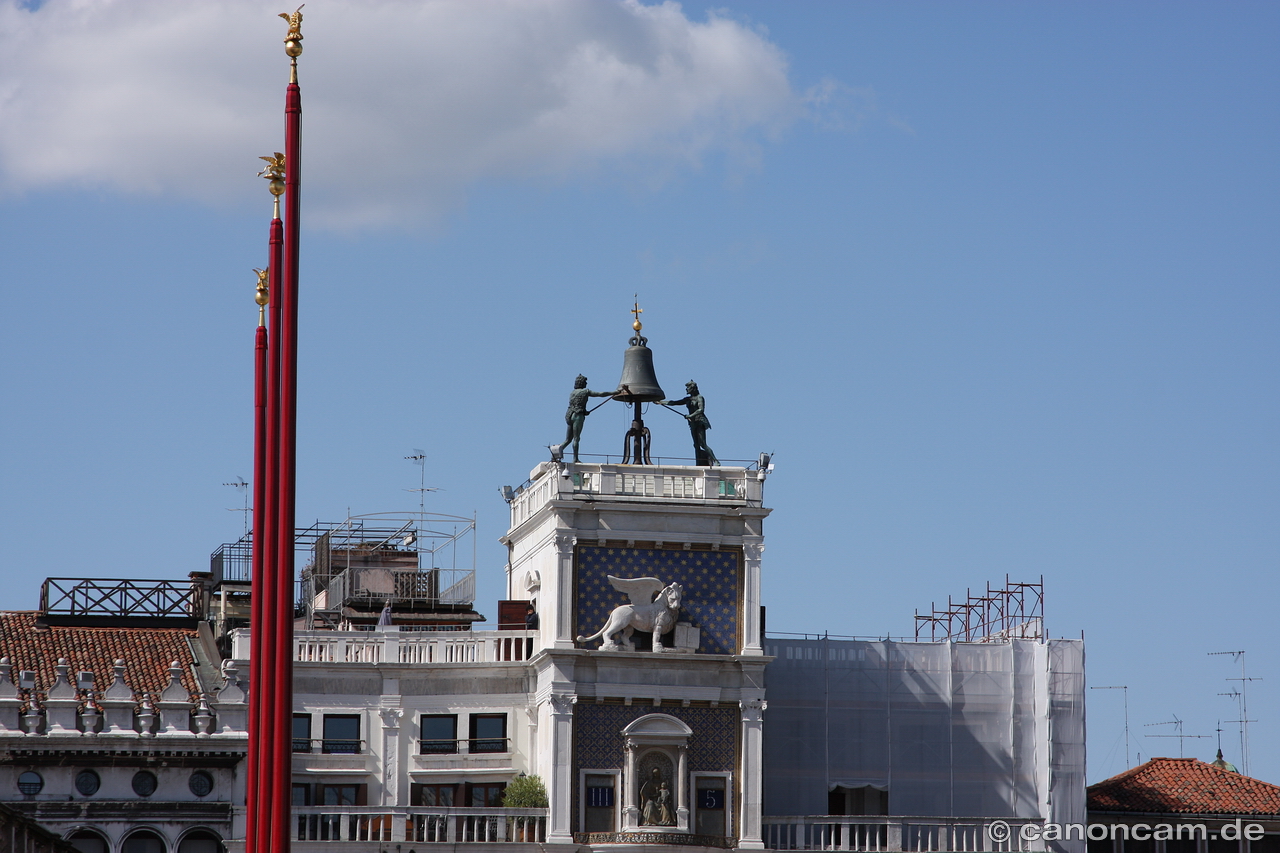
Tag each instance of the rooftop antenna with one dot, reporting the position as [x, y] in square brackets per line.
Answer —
[1125, 688]
[1242, 702]
[1180, 736]
[419, 458]
[243, 486]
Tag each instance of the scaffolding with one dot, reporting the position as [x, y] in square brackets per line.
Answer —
[1015, 610]
[419, 560]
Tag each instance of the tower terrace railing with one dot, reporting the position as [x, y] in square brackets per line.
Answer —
[658, 483]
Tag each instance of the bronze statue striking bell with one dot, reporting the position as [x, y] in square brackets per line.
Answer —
[638, 383]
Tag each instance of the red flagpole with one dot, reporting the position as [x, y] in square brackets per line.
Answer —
[256, 570]
[267, 690]
[282, 660]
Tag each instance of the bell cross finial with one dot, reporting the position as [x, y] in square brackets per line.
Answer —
[637, 310]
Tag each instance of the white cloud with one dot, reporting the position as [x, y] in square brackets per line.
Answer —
[406, 103]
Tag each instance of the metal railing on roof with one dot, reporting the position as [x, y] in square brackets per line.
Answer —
[122, 597]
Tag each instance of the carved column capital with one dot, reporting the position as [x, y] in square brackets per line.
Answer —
[752, 550]
[391, 717]
[753, 710]
[562, 703]
[564, 544]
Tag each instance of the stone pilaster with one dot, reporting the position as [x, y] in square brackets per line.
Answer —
[391, 755]
[560, 783]
[749, 836]
[751, 639]
[564, 592]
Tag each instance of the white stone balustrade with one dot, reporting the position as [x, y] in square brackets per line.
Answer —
[394, 646]
[892, 834]
[419, 824]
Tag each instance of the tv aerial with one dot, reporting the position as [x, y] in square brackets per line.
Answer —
[419, 458]
[241, 484]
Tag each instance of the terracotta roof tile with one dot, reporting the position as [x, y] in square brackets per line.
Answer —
[147, 652]
[1183, 785]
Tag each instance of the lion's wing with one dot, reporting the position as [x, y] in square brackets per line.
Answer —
[640, 590]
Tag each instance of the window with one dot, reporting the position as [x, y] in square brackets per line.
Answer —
[439, 734]
[143, 841]
[87, 782]
[200, 783]
[342, 795]
[144, 783]
[341, 734]
[486, 796]
[710, 799]
[301, 795]
[30, 782]
[488, 733]
[200, 841]
[434, 795]
[301, 732]
[600, 802]
[88, 842]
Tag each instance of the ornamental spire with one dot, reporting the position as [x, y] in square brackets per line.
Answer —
[293, 41]
[274, 173]
[263, 295]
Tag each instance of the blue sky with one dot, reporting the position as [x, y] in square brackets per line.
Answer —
[997, 283]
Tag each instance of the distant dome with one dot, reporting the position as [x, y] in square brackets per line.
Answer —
[1222, 764]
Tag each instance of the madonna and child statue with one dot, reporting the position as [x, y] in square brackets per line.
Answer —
[655, 801]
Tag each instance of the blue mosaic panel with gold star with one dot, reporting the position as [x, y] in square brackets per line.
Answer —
[711, 579]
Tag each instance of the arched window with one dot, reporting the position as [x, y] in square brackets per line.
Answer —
[200, 841]
[88, 841]
[143, 841]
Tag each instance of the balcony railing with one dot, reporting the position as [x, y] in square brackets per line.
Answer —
[874, 833]
[330, 746]
[465, 745]
[421, 824]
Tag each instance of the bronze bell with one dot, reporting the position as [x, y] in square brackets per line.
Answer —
[638, 383]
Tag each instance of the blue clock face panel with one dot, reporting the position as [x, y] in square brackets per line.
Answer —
[712, 582]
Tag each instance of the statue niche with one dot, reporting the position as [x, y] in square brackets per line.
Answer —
[644, 613]
[656, 772]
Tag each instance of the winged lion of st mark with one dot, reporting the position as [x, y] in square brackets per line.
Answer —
[654, 606]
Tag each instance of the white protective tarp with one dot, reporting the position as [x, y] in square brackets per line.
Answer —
[950, 729]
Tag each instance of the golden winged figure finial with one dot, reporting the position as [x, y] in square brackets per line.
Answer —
[274, 169]
[263, 295]
[295, 24]
[274, 172]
